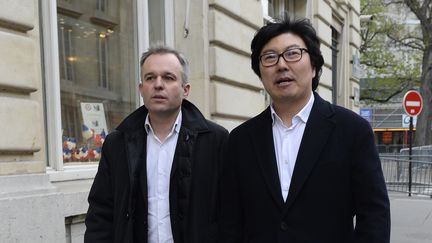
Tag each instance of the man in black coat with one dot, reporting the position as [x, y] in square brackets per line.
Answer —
[303, 170]
[158, 176]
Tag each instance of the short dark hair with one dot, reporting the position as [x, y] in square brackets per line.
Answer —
[300, 27]
[161, 49]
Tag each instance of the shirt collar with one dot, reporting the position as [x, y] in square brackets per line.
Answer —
[303, 114]
[175, 128]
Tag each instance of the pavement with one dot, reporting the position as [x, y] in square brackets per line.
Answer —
[411, 218]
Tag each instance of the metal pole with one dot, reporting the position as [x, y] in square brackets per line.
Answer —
[410, 155]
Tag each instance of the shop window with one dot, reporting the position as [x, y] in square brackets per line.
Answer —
[90, 107]
[91, 79]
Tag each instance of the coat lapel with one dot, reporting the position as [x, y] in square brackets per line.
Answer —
[192, 124]
[183, 152]
[136, 146]
[318, 128]
[262, 138]
[136, 154]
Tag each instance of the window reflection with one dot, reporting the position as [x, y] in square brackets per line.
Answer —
[98, 67]
[156, 21]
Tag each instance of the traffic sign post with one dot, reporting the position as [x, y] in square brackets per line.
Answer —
[412, 104]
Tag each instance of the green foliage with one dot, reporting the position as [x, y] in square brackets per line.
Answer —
[391, 53]
[385, 90]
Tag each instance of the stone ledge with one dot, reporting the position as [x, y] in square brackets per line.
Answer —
[18, 15]
[25, 185]
[21, 27]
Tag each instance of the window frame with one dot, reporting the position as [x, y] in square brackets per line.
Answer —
[339, 30]
[103, 62]
[56, 168]
[65, 49]
[285, 5]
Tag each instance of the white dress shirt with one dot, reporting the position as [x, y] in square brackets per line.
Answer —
[287, 142]
[159, 162]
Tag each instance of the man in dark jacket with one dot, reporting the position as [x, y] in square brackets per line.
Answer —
[158, 176]
[303, 170]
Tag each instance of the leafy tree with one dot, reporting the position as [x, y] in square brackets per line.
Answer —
[396, 53]
[423, 10]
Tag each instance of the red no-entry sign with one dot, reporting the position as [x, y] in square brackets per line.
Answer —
[412, 103]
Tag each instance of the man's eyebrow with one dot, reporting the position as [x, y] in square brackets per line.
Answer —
[164, 73]
[286, 48]
[291, 46]
[168, 72]
[149, 73]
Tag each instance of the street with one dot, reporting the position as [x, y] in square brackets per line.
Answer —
[411, 218]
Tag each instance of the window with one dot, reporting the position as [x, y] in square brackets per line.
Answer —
[156, 21]
[103, 65]
[65, 51]
[91, 79]
[89, 106]
[335, 51]
[101, 5]
[275, 8]
[161, 22]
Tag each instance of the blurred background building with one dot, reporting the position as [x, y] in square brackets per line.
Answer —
[70, 70]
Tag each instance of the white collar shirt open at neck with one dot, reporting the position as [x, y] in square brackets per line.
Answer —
[159, 161]
[287, 143]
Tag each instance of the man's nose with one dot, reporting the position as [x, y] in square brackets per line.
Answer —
[158, 82]
[282, 64]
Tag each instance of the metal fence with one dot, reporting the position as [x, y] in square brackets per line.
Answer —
[389, 148]
[400, 178]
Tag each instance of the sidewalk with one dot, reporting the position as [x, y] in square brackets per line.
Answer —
[411, 218]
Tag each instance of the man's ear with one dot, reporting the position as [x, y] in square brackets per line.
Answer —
[140, 85]
[186, 89]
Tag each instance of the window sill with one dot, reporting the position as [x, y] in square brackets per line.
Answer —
[73, 172]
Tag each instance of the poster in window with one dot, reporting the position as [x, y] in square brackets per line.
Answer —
[94, 117]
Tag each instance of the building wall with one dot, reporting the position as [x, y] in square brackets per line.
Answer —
[48, 204]
[343, 16]
[21, 108]
[30, 207]
[236, 92]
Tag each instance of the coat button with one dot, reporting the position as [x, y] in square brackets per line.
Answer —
[127, 215]
[284, 226]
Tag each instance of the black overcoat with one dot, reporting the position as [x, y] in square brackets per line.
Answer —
[337, 176]
[118, 197]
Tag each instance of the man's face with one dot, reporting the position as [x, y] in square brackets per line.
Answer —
[161, 86]
[287, 81]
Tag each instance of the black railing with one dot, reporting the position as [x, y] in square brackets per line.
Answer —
[389, 148]
[396, 173]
